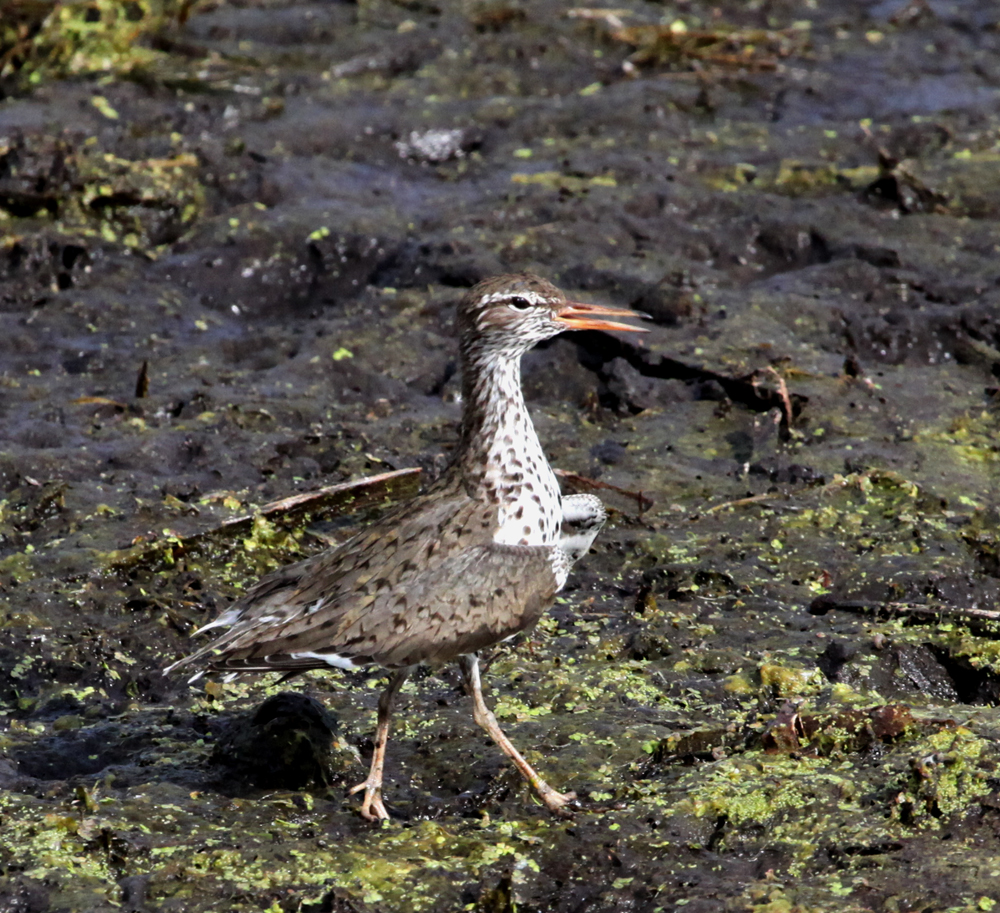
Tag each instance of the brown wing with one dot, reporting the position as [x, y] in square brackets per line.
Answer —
[475, 597]
[425, 582]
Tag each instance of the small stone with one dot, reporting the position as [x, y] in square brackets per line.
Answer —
[434, 146]
[609, 452]
[70, 721]
[284, 744]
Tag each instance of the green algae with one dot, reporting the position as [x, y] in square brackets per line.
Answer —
[555, 180]
[791, 679]
[53, 845]
[142, 204]
[949, 770]
[762, 799]
[792, 798]
[410, 866]
[89, 196]
[982, 653]
[20, 566]
[49, 40]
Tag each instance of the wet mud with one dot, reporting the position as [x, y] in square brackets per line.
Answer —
[232, 240]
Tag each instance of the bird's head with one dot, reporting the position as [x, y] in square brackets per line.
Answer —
[510, 314]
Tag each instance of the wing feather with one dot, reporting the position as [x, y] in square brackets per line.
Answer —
[423, 584]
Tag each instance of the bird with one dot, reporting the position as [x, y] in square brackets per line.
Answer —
[474, 560]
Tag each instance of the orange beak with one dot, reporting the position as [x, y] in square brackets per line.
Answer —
[579, 316]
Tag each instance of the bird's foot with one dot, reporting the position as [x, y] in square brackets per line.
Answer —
[556, 802]
[372, 807]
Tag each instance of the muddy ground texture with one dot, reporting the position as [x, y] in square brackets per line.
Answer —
[233, 237]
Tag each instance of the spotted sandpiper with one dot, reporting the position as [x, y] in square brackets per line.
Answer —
[473, 561]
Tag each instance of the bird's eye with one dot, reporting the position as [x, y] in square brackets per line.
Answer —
[521, 304]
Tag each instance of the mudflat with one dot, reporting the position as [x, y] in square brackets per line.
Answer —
[233, 236]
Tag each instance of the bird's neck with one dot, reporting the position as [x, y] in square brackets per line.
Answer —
[496, 426]
[500, 457]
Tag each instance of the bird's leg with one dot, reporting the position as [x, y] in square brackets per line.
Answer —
[373, 808]
[553, 800]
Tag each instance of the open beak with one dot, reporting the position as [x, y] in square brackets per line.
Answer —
[576, 315]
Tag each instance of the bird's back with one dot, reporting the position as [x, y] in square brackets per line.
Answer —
[425, 583]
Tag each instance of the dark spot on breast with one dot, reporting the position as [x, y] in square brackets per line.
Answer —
[519, 512]
[527, 530]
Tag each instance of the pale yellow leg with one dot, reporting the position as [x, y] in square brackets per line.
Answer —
[373, 808]
[553, 800]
